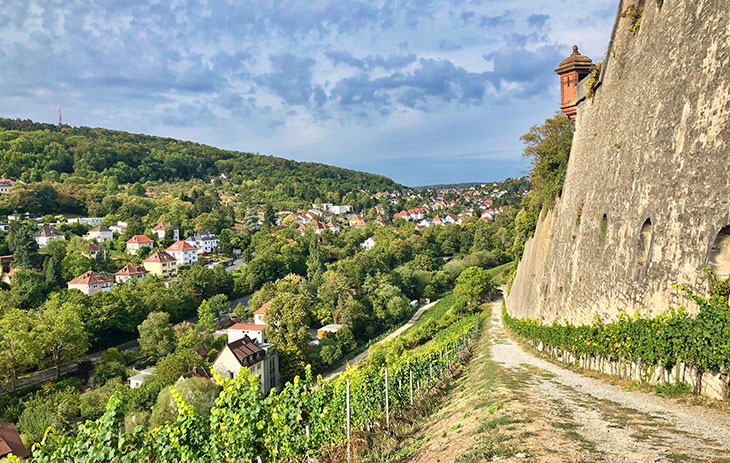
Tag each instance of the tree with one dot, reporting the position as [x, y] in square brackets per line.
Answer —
[18, 350]
[22, 244]
[52, 266]
[28, 289]
[549, 147]
[474, 284]
[62, 334]
[110, 366]
[156, 336]
[187, 336]
[169, 369]
[197, 392]
[286, 326]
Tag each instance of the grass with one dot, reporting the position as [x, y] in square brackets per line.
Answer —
[673, 389]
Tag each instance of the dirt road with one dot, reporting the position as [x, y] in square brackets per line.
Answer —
[510, 405]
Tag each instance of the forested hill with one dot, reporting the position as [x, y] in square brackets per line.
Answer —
[32, 152]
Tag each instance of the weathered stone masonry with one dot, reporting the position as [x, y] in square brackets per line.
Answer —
[651, 159]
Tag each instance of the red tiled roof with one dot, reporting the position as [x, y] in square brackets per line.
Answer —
[161, 226]
[89, 278]
[248, 327]
[160, 256]
[139, 239]
[181, 246]
[132, 269]
[262, 310]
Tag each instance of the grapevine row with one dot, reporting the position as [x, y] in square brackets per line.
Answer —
[246, 426]
[702, 341]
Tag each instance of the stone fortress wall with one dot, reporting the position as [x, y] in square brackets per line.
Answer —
[646, 200]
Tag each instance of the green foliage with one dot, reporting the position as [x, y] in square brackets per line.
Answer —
[634, 13]
[664, 340]
[245, 425]
[549, 147]
[22, 244]
[156, 336]
[474, 285]
[199, 393]
[110, 366]
[92, 163]
[593, 79]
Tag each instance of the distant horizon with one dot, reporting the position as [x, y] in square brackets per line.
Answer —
[423, 92]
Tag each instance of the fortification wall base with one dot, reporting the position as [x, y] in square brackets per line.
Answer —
[714, 385]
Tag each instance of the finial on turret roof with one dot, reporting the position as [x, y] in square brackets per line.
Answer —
[575, 50]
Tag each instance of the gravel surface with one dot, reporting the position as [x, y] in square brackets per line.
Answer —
[617, 425]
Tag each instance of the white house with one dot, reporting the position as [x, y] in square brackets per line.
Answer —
[4, 226]
[120, 227]
[93, 221]
[204, 241]
[262, 360]
[137, 242]
[183, 252]
[91, 283]
[253, 331]
[46, 234]
[161, 228]
[94, 250]
[368, 244]
[344, 209]
[130, 272]
[258, 315]
[137, 380]
[6, 186]
[100, 234]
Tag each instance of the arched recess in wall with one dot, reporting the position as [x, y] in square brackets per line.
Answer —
[720, 253]
[602, 229]
[644, 245]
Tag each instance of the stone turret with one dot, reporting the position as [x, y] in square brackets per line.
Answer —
[571, 71]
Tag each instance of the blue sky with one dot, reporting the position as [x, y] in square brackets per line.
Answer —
[423, 91]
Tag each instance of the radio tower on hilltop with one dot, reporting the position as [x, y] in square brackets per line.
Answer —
[60, 121]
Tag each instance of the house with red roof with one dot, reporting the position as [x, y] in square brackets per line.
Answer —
[130, 272]
[258, 315]
[161, 264]
[137, 242]
[91, 283]
[183, 252]
[161, 229]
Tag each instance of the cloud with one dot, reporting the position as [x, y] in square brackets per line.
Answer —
[291, 78]
[260, 75]
[537, 20]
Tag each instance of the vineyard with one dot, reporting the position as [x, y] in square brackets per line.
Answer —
[288, 426]
[702, 342]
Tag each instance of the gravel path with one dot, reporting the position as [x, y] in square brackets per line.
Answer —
[613, 424]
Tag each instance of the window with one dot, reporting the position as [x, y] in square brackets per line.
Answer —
[720, 254]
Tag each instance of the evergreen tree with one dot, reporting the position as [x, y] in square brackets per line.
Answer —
[22, 244]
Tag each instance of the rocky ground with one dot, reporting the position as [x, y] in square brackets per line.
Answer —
[510, 405]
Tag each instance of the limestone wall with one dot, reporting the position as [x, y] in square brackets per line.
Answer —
[651, 152]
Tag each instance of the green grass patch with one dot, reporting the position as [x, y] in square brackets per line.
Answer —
[673, 389]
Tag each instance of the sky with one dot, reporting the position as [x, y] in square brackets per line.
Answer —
[422, 91]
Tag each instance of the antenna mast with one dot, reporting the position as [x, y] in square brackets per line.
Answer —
[60, 121]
